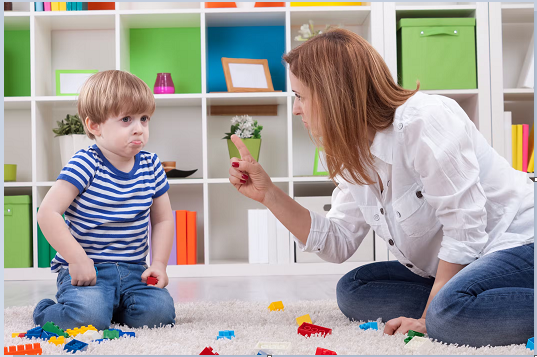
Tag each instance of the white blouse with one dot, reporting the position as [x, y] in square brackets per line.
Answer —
[447, 194]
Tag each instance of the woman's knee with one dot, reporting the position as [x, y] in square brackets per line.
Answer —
[348, 294]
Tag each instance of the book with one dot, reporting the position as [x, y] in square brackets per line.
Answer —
[508, 125]
[513, 146]
[69, 6]
[47, 6]
[525, 136]
[43, 248]
[253, 250]
[84, 6]
[39, 6]
[63, 6]
[55, 6]
[263, 246]
[172, 260]
[531, 163]
[518, 147]
[181, 237]
[79, 6]
[526, 77]
[272, 238]
[191, 238]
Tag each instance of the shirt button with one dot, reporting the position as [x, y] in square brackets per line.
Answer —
[398, 214]
[418, 194]
[409, 266]
[382, 211]
[391, 242]
[376, 217]
[400, 126]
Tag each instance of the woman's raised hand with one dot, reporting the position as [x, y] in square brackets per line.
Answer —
[247, 175]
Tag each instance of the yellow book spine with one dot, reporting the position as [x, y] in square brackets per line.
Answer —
[531, 164]
[513, 146]
[63, 6]
[519, 147]
[55, 6]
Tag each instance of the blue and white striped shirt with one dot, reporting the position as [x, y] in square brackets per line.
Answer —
[109, 217]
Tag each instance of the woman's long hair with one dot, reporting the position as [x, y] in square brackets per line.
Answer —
[352, 90]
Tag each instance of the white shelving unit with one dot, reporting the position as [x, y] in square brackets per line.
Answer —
[511, 29]
[182, 129]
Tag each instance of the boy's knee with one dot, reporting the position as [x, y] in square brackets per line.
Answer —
[85, 306]
[160, 311]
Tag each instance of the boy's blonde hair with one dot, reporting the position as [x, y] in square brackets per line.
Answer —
[113, 93]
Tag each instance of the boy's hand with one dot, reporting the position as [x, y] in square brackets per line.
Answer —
[157, 270]
[83, 273]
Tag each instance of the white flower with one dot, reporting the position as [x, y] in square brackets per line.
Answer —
[305, 31]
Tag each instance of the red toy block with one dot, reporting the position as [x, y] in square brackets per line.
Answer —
[22, 334]
[29, 349]
[324, 351]
[152, 280]
[208, 351]
[307, 330]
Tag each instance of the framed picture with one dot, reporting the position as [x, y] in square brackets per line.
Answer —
[247, 75]
[69, 82]
[320, 163]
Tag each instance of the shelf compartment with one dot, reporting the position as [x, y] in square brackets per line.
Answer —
[163, 43]
[18, 142]
[517, 13]
[17, 57]
[228, 223]
[75, 41]
[515, 41]
[273, 155]
[13, 103]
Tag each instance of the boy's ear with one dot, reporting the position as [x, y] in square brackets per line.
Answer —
[93, 127]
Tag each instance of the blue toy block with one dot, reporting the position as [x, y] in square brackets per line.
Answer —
[35, 332]
[530, 344]
[131, 334]
[369, 325]
[45, 335]
[100, 340]
[75, 345]
[262, 353]
[225, 334]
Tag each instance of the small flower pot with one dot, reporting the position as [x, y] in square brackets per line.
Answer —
[253, 145]
[70, 144]
[10, 173]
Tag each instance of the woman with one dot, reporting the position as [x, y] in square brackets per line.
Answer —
[414, 168]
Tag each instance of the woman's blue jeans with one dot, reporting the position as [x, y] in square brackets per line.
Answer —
[119, 296]
[489, 302]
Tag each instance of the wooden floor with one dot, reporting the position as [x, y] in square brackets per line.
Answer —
[264, 288]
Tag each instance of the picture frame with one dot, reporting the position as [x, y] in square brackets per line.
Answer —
[247, 75]
[69, 81]
[319, 163]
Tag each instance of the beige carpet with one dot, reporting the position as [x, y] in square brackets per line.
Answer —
[198, 325]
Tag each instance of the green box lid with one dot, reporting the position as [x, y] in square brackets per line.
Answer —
[17, 200]
[433, 22]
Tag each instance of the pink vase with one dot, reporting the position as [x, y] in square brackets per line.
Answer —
[164, 84]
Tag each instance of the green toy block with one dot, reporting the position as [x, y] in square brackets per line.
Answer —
[51, 327]
[407, 340]
[111, 334]
[412, 333]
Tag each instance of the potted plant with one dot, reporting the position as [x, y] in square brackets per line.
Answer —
[249, 131]
[72, 137]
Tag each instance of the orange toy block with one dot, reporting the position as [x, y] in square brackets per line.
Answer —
[277, 305]
[57, 340]
[29, 349]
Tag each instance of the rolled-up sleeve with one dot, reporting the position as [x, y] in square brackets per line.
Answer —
[442, 140]
[337, 236]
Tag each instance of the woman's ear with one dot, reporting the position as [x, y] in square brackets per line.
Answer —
[93, 127]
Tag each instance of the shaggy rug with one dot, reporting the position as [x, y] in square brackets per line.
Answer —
[198, 325]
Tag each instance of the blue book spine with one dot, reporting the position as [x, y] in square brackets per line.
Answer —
[68, 6]
[84, 6]
[39, 6]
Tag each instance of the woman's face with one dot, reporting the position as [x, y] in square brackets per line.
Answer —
[303, 102]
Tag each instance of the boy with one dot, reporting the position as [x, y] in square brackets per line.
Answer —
[108, 192]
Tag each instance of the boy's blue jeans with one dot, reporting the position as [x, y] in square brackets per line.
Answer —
[119, 296]
[489, 302]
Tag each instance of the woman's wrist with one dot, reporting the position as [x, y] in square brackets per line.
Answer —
[271, 196]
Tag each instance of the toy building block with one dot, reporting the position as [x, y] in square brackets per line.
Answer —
[307, 330]
[208, 351]
[277, 305]
[530, 344]
[28, 349]
[323, 351]
[47, 335]
[101, 340]
[57, 340]
[22, 334]
[79, 330]
[419, 344]
[51, 327]
[127, 334]
[152, 280]
[16, 334]
[408, 339]
[262, 353]
[303, 318]
[35, 332]
[89, 335]
[110, 334]
[369, 325]
[412, 333]
[225, 334]
[75, 346]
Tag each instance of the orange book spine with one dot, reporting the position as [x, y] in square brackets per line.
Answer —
[181, 237]
[191, 237]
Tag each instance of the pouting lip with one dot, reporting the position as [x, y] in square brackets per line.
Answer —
[136, 142]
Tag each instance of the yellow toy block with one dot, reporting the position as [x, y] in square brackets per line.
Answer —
[306, 318]
[15, 334]
[277, 305]
[57, 340]
[80, 330]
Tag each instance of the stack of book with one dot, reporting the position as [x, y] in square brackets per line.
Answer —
[522, 147]
[184, 250]
[73, 6]
[268, 239]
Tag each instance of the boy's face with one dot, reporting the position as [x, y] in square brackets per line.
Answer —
[124, 135]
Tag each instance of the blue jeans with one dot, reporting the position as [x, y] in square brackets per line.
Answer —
[119, 296]
[489, 302]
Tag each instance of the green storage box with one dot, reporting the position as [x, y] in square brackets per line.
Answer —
[17, 232]
[440, 53]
